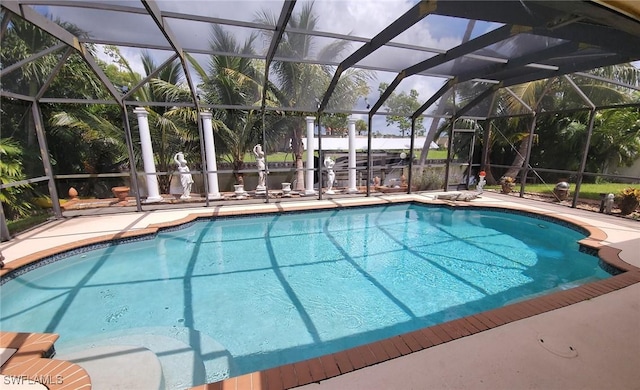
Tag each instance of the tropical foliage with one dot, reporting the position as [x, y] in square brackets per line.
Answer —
[630, 192]
[15, 200]
[233, 81]
[628, 200]
[401, 106]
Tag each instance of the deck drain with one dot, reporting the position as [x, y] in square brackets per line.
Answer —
[557, 347]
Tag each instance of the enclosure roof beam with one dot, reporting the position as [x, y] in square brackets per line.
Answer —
[151, 75]
[154, 12]
[519, 99]
[514, 63]
[434, 98]
[492, 89]
[607, 80]
[33, 17]
[54, 72]
[573, 67]
[16, 96]
[625, 20]
[580, 92]
[468, 47]
[601, 36]
[488, 39]
[283, 20]
[411, 17]
[33, 57]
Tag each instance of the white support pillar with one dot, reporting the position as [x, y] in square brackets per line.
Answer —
[210, 154]
[153, 193]
[352, 189]
[310, 151]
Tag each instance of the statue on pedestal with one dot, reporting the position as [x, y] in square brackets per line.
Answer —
[186, 180]
[608, 203]
[481, 182]
[331, 176]
[262, 168]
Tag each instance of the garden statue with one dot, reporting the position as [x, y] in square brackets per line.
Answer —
[608, 203]
[331, 176]
[186, 180]
[561, 190]
[481, 182]
[262, 168]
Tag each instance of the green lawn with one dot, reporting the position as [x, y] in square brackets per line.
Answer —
[272, 157]
[288, 157]
[587, 190]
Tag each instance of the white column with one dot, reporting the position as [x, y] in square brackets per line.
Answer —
[210, 155]
[153, 193]
[352, 156]
[310, 166]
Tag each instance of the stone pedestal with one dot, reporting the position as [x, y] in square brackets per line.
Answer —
[286, 190]
[261, 190]
[239, 191]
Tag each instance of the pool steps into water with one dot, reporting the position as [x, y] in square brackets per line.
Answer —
[163, 358]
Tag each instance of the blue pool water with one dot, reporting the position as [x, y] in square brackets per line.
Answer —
[250, 293]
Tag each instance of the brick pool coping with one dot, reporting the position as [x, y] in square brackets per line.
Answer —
[332, 365]
[31, 362]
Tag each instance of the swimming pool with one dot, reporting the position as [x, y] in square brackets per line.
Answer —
[250, 293]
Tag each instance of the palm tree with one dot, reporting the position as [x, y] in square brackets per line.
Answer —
[301, 85]
[171, 132]
[14, 199]
[234, 81]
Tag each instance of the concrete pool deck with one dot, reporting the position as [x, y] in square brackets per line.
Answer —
[594, 343]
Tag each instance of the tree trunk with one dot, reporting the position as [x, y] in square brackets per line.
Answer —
[427, 142]
[237, 166]
[518, 161]
[490, 179]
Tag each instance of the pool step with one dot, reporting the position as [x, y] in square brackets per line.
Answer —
[118, 366]
[184, 357]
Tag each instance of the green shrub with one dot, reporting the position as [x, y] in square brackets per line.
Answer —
[430, 180]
